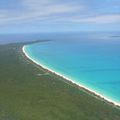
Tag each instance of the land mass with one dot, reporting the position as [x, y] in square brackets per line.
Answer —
[29, 92]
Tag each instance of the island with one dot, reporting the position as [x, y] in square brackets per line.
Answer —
[29, 92]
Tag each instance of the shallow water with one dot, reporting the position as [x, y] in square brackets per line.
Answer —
[90, 59]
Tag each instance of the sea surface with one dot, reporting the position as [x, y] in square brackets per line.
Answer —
[90, 59]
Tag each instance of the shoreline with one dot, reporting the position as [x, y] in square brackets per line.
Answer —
[89, 91]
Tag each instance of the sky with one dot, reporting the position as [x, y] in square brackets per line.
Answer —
[21, 16]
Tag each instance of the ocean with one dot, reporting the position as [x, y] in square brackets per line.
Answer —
[89, 59]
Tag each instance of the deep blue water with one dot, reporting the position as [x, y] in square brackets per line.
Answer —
[90, 59]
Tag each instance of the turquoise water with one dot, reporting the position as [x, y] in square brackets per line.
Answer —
[92, 60]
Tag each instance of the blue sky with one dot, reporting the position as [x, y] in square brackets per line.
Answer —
[59, 15]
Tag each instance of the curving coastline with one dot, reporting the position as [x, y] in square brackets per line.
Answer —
[70, 80]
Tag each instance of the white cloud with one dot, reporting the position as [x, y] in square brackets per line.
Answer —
[100, 19]
[52, 10]
[38, 9]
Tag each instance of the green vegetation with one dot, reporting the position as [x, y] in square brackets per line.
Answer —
[27, 92]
